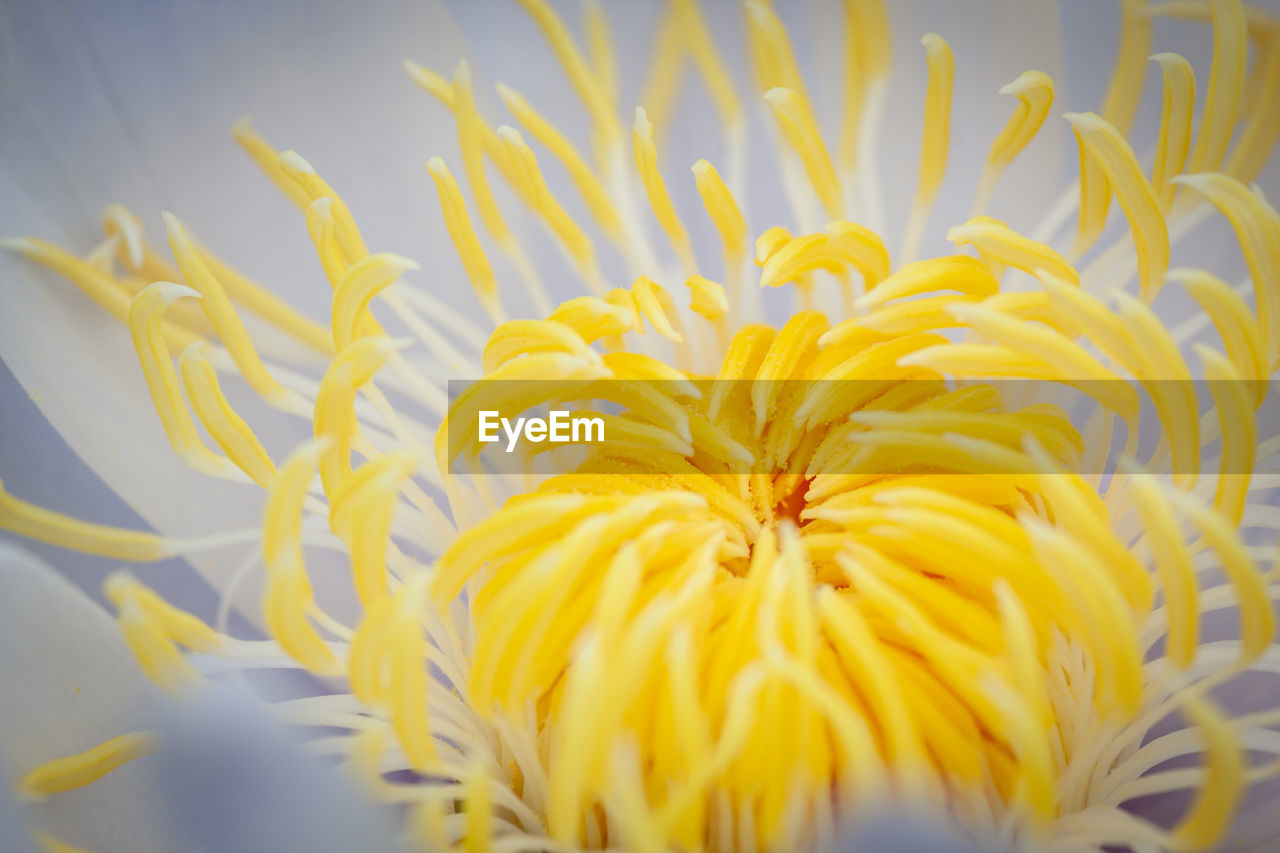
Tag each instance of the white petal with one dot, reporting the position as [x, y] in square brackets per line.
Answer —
[139, 112]
[69, 683]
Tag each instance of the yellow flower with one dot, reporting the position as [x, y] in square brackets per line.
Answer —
[824, 562]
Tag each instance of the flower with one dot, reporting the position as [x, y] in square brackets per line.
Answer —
[816, 578]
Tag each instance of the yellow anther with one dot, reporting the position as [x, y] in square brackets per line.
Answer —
[796, 121]
[708, 297]
[465, 239]
[656, 189]
[625, 303]
[701, 46]
[177, 624]
[1034, 91]
[867, 39]
[772, 58]
[288, 598]
[226, 427]
[1234, 321]
[519, 337]
[1262, 129]
[1175, 124]
[666, 66]
[146, 324]
[76, 771]
[335, 416]
[1226, 82]
[34, 522]
[589, 186]
[1225, 782]
[314, 187]
[1258, 231]
[770, 241]
[957, 272]
[722, 209]
[998, 242]
[361, 516]
[117, 219]
[363, 280]
[935, 142]
[320, 227]
[1119, 108]
[443, 90]
[217, 307]
[267, 159]
[152, 629]
[600, 48]
[538, 195]
[593, 318]
[656, 305]
[588, 86]
[1103, 144]
[97, 285]
[1176, 572]
[843, 244]
[407, 655]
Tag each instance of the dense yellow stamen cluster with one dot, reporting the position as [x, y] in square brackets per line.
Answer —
[819, 573]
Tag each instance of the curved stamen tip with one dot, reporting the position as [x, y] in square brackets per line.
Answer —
[170, 291]
[293, 160]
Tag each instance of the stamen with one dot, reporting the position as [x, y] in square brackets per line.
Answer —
[656, 189]
[267, 158]
[1034, 91]
[661, 84]
[587, 85]
[538, 195]
[1262, 129]
[361, 516]
[321, 229]
[589, 186]
[1175, 124]
[145, 322]
[101, 288]
[76, 771]
[226, 427]
[153, 629]
[1226, 81]
[653, 301]
[701, 45]
[1173, 561]
[363, 280]
[1257, 229]
[600, 47]
[709, 298]
[866, 62]
[772, 58]
[1208, 817]
[217, 307]
[1103, 144]
[726, 216]
[1235, 323]
[287, 598]
[998, 242]
[797, 123]
[934, 141]
[314, 187]
[34, 522]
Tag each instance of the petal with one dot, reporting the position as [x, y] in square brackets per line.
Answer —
[235, 782]
[139, 112]
[69, 684]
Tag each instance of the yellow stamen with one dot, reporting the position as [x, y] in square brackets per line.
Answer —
[217, 307]
[594, 95]
[1175, 124]
[709, 298]
[146, 324]
[1226, 81]
[361, 515]
[656, 189]
[1104, 145]
[656, 305]
[363, 280]
[76, 771]
[288, 597]
[267, 159]
[866, 63]
[335, 417]
[723, 211]
[589, 186]
[997, 241]
[34, 522]
[314, 187]
[701, 45]
[153, 629]
[935, 140]
[1034, 91]
[1224, 782]
[226, 427]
